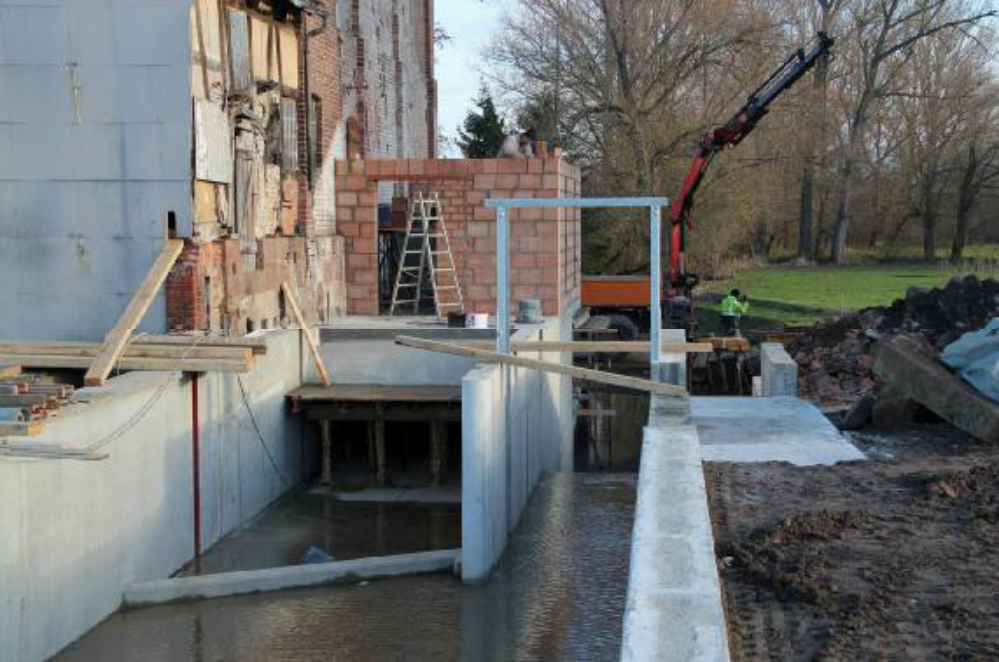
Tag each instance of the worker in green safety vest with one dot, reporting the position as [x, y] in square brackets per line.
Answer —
[733, 307]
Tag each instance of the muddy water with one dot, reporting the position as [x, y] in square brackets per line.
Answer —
[344, 530]
[558, 593]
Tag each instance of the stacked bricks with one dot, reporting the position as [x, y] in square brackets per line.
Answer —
[545, 249]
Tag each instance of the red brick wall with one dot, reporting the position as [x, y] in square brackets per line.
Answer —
[545, 248]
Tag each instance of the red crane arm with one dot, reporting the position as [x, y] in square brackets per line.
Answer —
[729, 135]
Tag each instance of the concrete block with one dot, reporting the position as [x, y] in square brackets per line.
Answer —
[186, 589]
[780, 372]
[674, 608]
[905, 365]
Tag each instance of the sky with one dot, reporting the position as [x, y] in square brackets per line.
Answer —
[471, 24]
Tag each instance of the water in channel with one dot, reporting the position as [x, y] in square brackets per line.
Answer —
[558, 593]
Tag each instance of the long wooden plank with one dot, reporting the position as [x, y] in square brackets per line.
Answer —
[27, 400]
[116, 339]
[20, 429]
[132, 350]
[258, 345]
[730, 344]
[376, 393]
[596, 347]
[128, 363]
[313, 347]
[584, 374]
[9, 371]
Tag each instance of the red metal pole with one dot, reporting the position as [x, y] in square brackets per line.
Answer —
[196, 462]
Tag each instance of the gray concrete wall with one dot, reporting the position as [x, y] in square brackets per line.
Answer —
[95, 114]
[516, 424]
[674, 610]
[74, 534]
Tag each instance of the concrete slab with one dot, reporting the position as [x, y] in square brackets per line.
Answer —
[449, 494]
[183, 589]
[780, 429]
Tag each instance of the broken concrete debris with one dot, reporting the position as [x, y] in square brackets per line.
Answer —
[881, 365]
[913, 366]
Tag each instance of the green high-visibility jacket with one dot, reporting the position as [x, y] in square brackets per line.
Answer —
[732, 306]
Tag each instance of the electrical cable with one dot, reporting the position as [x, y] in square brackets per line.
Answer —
[260, 436]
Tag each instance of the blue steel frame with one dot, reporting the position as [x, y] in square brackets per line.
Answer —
[502, 205]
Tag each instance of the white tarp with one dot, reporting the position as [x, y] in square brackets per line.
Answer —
[975, 357]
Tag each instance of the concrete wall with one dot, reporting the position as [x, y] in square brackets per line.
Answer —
[516, 424]
[674, 610]
[95, 118]
[75, 533]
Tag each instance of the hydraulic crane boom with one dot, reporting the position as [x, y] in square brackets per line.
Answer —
[728, 135]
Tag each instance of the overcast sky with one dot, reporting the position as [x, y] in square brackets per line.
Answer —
[471, 24]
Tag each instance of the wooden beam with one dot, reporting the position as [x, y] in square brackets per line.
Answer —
[132, 350]
[729, 344]
[116, 339]
[596, 347]
[585, 374]
[9, 371]
[20, 429]
[375, 393]
[313, 347]
[27, 400]
[258, 345]
[128, 363]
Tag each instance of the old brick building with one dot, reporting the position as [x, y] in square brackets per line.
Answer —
[278, 138]
[288, 90]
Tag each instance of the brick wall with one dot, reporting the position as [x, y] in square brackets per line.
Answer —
[545, 243]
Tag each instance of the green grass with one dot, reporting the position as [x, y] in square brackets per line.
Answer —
[800, 296]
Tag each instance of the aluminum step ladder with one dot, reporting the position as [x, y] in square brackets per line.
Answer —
[427, 261]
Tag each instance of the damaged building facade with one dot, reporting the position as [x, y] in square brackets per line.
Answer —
[217, 121]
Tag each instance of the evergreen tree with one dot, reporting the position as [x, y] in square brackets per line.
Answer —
[484, 132]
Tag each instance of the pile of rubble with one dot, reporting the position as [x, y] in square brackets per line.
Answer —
[835, 357]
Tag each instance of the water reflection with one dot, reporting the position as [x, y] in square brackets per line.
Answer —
[558, 593]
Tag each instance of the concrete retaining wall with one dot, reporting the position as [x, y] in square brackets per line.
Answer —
[674, 609]
[75, 533]
[516, 424]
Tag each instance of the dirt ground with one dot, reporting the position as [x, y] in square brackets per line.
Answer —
[895, 558]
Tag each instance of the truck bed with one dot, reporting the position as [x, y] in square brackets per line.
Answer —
[617, 291]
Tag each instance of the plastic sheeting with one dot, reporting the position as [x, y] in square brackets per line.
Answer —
[975, 357]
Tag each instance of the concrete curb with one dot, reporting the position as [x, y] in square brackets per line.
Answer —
[674, 609]
[185, 589]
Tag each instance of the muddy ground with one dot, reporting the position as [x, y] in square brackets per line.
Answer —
[897, 558]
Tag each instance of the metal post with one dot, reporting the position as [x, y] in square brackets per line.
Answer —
[502, 281]
[655, 316]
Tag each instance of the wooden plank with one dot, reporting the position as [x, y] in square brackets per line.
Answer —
[258, 345]
[9, 371]
[132, 364]
[376, 393]
[596, 347]
[190, 351]
[729, 344]
[585, 374]
[27, 400]
[115, 341]
[32, 429]
[313, 347]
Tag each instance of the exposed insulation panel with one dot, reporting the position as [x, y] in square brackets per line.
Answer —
[207, 68]
[239, 51]
[212, 143]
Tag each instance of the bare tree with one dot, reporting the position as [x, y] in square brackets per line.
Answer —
[883, 33]
[825, 21]
[980, 167]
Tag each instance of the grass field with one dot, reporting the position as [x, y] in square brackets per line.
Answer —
[797, 296]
